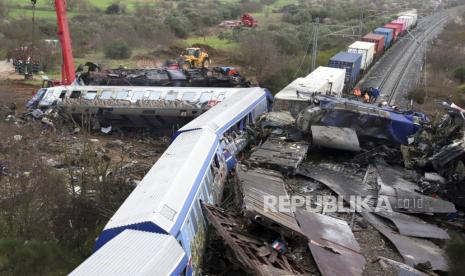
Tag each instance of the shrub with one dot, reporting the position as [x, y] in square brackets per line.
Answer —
[113, 9]
[418, 95]
[459, 74]
[117, 49]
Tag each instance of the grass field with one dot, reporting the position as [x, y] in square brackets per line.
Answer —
[212, 41]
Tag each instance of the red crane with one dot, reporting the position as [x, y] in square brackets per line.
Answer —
[68, 74]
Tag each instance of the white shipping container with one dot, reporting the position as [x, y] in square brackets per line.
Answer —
[324, 80]
[408, 21]
[366, 49]
[414, 16]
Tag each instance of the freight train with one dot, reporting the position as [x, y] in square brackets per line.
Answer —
[355, 62]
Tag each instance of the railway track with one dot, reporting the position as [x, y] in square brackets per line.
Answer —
[393, 79]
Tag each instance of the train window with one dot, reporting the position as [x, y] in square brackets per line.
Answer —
[171, 96]
[90, 95]
[154, 95]
[122, 95]
[215, 159]
[138, 95]
[188, 96]
[63, 94]
[221, 97]
[75, 94]
[194, 218]
[106, 95]
[205, 97]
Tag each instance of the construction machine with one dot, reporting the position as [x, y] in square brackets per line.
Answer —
[194, 58]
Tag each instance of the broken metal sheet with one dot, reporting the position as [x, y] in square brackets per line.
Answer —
[448, 154]
[336, 181]
[277, 119]
[402, 194]
[335, 138]
[280, 155]
[413, 226]
[247, 249]
[402, 269]
[332, 244]
[256, 185]
[413, 250]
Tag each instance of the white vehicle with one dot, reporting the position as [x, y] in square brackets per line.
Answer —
[295, 96]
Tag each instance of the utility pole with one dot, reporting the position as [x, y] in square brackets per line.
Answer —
[30, 66]
[360, 27]
[316, 29]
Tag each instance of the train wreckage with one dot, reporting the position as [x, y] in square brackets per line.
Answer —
[381, 152]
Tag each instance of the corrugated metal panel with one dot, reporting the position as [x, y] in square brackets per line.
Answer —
[135, 253]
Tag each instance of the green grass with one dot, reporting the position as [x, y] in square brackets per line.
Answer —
[19, 13]
[212, 41]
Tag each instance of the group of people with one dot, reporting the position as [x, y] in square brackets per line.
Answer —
[368, 95]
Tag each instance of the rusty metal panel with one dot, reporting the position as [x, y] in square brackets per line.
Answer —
[413, 226]
[335, 138]
[332, 244]
[257, 184]
[413, 250]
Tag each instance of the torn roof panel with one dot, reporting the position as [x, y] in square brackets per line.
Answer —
[332, 244]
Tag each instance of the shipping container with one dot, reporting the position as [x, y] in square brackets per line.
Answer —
[396, 30]
[366, 49]
[409, 20]
[351, 62]
[388, 35]
[414, 16]
[402, 24]
[378, 40]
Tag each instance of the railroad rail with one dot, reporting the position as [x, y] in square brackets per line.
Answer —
[396, 72]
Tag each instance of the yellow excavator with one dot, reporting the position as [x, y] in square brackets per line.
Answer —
[194, 58]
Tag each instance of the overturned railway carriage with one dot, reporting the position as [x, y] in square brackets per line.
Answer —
[159, 107]
[166, 203]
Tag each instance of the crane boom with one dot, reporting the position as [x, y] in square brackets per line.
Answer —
[67, 67]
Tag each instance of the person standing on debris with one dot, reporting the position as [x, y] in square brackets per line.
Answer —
[366, 97]
[374, 94]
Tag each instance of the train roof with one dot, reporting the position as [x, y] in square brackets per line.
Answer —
[136, 253]
[163, 195]
[222, 116]
[146, 88]
[346, 57]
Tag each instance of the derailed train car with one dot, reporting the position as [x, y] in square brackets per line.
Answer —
[164, 210]
[136, 106]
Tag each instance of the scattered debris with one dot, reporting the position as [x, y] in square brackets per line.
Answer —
[402, 194]
[335, 138]
[402, 269]
[279, 155]
[332, 243]
[412, 226]
[414, 250]
[254, 254]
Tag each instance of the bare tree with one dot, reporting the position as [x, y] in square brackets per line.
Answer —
[261, 53]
